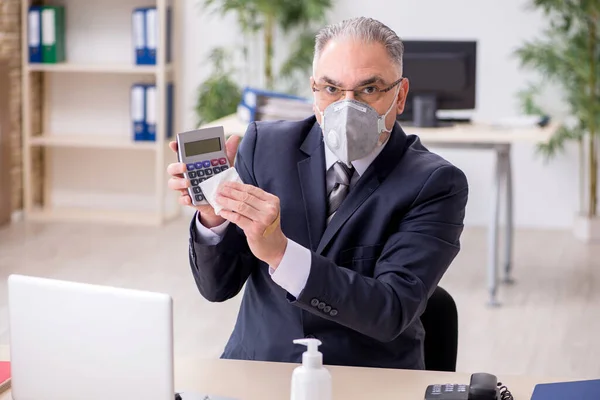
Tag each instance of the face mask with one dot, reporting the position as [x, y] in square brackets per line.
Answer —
[351, 129]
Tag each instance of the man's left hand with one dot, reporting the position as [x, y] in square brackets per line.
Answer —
[257, 213]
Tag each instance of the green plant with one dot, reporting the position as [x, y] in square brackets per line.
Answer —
[295, 18]
[219, 95]
[569, 55]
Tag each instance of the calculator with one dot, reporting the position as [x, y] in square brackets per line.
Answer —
[203, 153]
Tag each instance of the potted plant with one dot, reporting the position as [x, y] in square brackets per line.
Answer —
[568, 55]
[219, 95]
[295, 19]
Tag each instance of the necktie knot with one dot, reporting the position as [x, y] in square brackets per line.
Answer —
[338, 182]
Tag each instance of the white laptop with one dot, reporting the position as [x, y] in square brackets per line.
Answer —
[79, 341]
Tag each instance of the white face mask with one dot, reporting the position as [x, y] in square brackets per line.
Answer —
[351, 129]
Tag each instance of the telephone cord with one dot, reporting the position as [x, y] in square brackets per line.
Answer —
[505, 394]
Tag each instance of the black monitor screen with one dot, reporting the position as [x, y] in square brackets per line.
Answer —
[442, 76]
[436, 72]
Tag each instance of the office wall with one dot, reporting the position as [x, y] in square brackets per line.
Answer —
[546, 196]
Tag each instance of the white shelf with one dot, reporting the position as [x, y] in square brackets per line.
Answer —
[89, 90]
[97, 141]
[96, 68]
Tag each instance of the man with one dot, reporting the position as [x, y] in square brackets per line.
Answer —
[344, 225]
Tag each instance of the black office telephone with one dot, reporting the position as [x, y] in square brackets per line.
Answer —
[483, 386]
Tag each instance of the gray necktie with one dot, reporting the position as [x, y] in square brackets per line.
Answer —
[338, 184]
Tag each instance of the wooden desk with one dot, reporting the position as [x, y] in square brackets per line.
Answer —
[253, 380]
[472, 137]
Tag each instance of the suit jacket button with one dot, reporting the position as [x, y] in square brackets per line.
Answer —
[327, 309]
[321, 305]
[314, 302]
[333, 312]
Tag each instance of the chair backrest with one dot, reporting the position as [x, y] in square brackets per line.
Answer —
[440, 321]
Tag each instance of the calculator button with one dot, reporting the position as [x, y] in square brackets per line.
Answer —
[198, 165]
[191, 167]
[200, 173]
[214, 162]
[199, 197]
[208, 172]
[217, 170]
[192, 174]
[195, 182]
[224, 167]
[197, 190]
[206, 164]
[202, 179]
[222, 161]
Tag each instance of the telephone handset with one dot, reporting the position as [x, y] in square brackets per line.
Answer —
[483, 386]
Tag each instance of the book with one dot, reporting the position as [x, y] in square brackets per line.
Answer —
[53, 34]
[5, 376]
[577, 390]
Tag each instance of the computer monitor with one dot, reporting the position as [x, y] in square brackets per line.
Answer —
[73, 340]
[442, 76]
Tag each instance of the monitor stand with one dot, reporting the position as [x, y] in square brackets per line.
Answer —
[424, 114]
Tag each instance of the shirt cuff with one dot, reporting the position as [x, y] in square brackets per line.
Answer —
[293, 270]
[210, 235]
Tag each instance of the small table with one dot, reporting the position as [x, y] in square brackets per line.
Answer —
[473, 137]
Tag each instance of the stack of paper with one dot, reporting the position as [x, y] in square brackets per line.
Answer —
[262, 105]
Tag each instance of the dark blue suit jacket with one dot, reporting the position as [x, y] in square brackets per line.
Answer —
[373, 267]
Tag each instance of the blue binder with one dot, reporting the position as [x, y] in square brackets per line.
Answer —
[577, 390]
[35, 34]
[150, 112]
[145, 35]
[138, 112]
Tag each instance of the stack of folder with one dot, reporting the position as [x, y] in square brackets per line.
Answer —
[46, 34]
[262, 105]
[143, 111]
[145, 35]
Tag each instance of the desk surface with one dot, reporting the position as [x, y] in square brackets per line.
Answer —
[456, 134]
[253, 380]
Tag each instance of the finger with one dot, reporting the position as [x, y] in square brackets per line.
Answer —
[243, 196]
[176, 169]
[178, 183]
[173, 146]
[253, 190]
[240, 207]
[231, 147]
[250, 228]
[185, 200]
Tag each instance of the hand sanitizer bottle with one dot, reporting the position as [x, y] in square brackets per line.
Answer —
[311, 381]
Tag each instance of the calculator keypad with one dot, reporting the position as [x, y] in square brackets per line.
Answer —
[200, 171]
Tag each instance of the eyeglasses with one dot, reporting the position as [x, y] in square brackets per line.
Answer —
[367, 94]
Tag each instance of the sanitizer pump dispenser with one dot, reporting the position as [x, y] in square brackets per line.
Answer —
[311, 381]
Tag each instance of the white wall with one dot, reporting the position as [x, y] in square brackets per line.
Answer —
[545, 195]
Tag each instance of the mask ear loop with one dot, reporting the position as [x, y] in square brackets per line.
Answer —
[381, 120]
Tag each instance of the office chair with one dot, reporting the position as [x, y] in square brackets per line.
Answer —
[440, 321]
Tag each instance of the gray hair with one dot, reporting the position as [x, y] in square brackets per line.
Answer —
[365, 29]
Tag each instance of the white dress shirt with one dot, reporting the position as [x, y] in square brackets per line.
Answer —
[294, 268]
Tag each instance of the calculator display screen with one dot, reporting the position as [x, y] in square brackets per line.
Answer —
[202, 147]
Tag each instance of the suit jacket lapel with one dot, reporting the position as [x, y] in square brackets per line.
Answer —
[311, 171]
[366, 185]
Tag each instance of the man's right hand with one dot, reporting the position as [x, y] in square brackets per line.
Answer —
[177, 182]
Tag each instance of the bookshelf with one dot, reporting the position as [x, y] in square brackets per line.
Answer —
[81, 162]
